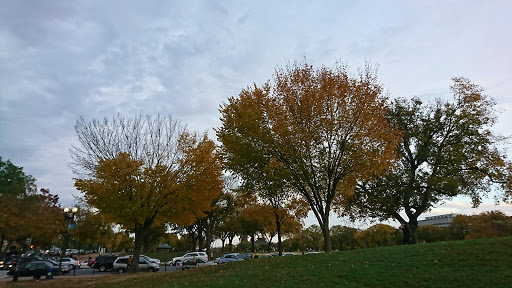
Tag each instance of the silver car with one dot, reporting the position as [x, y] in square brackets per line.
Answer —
[121, 265]
[226, 258]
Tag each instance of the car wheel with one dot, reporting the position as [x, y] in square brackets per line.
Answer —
[178, 263]
[120, 270]
[71, 267]
[102, 268]
[150, 269]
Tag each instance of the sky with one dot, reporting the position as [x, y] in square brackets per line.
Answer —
[61, 60]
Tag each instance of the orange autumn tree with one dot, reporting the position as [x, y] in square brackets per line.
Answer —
[325, 128]
[163, 175]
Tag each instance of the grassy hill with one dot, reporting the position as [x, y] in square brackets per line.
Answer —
[469, 263]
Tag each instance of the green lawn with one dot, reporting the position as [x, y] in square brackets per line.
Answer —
[469, 263]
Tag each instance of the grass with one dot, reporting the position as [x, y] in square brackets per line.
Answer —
[469, 263]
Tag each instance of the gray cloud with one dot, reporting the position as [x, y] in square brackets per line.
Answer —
[60, 60]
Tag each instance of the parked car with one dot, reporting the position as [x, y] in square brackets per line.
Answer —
[289, 254]
[7, 264]
[91, 263]
[245, 256]
[63, 268]
[121, 265]
[191, 263]
[262, 255]
[35, 269]
[21, 262]
[70, 262]
[104, 262]
[226, 258]
[157, 261]
[10, 264]
[190, 255]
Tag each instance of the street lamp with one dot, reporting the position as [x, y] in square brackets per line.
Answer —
[69, 216]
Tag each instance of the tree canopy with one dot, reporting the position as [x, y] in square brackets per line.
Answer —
[324, 128]
[447, 150]
[146, 171]
[26, 213]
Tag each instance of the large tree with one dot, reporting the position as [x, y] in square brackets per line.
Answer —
[447, 150]
[325, 128]
[145, 171]
[27, 214]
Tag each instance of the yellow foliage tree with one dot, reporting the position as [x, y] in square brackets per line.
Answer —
[324, 129]
[154, 180]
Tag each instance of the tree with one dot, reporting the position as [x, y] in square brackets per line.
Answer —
[140, 172]
[14, 182]
[378, 235]
[312, 237]
[223, 207]
[324, 129]
[447, 150]
[484, 225]
[27, 213]
[431, 233]
[343, 237]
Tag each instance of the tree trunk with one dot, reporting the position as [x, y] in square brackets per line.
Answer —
[139, 242]
[413, 225]
[209, 237]
[279, 242]
[200, 238]
[230, 239]
[327, 234]
[252, 243]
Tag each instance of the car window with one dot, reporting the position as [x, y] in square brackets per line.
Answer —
[122, 260]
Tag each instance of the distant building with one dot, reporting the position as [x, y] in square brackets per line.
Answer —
[439, 221]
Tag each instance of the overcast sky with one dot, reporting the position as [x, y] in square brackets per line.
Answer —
[60, 60]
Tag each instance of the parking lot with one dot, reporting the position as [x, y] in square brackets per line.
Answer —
[80, 272]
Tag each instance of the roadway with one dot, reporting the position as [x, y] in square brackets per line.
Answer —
[79, 272]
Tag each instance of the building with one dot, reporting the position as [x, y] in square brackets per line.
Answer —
[439, 221]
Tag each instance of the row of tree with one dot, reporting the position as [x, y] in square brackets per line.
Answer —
[339, 143]
[484, 225]
[319, 140]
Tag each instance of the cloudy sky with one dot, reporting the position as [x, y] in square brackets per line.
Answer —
[60, 60]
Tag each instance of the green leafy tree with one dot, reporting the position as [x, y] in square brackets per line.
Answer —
[431, 233]
[447, 150]
[343, 237]
[378, 235]
[14, 182]
[312, 237]
[323, 129]
[27, 212]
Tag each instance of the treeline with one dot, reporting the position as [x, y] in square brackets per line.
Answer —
[484, 225]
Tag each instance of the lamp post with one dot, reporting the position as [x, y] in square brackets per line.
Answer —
[69, 216]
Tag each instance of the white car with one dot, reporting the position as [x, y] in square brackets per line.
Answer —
[176, 261]
[121, 265]
[70, 262]
[157, 261]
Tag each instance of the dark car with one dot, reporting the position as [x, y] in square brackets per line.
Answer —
[35, 269]
[7, 264]
[21, 262]
[104, 262]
